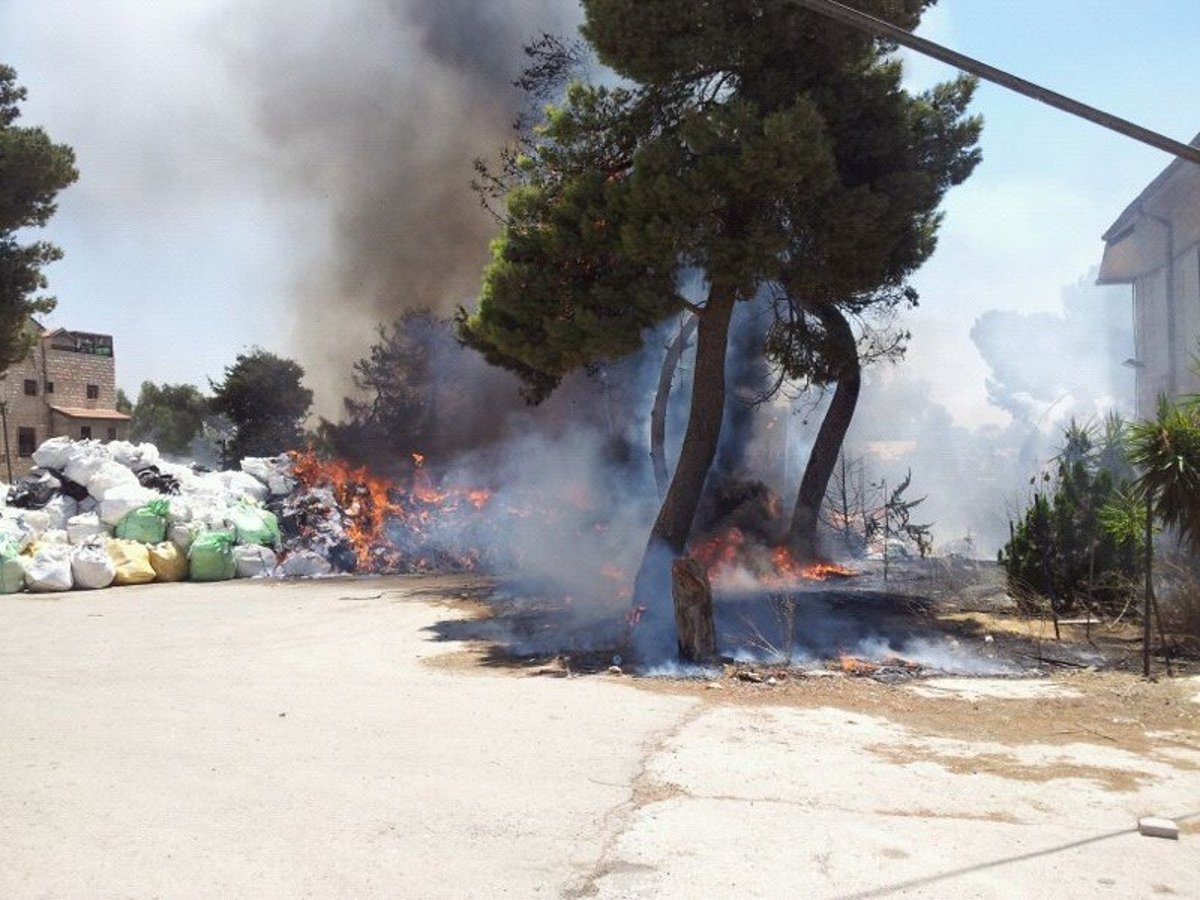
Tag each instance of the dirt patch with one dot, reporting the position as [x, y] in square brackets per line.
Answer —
[1003, 818]
[1007, 766]
[1104, 708]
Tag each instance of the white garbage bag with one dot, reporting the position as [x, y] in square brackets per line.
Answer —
[134, 456]
[238, 486]
[88, 525]
[181, 534]
[91, 566]
[54, 453]
[273, 471]
[86, 460]
[36, 520]
[49, 570]
[88, 504]
[60, 510]
[178, 510]
[209, 509]
[305, 564]
[253, 560]
[53, 536]
[109, 477]
[120, 501]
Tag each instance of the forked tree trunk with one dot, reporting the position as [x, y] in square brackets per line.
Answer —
[802, 534]
[668, 537]
[658, 415]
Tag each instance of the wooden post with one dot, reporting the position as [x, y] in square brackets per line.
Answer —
[7, 452]
[692, 595]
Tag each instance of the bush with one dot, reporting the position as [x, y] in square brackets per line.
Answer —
[1080, 543]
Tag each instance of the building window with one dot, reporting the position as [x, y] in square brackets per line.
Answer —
[85, 432]
[26, 441]
[30, 387]
[93, 392]
[49, 387]
[112, 433]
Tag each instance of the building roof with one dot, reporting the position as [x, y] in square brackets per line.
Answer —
[1131, 211]
[80, 412]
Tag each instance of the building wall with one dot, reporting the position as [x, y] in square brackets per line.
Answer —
[1167, 337]
[99, 429]
[73, 372]
[70, 373]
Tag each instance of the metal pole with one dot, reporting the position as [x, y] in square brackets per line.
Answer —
[878, 27]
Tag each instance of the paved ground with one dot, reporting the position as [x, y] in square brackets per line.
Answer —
[296, 740]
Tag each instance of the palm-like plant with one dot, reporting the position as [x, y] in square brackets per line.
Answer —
[1166, 453]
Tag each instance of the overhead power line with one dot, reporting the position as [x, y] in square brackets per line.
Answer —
[880, 28]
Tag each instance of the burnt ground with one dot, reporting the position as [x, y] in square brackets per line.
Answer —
[928, 621]
[920, 618]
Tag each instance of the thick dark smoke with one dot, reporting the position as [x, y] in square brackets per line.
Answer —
[373, 112]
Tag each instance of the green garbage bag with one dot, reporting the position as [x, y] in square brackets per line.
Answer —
[147, 524]
[12, 571]
[210, 557]
[255, 525]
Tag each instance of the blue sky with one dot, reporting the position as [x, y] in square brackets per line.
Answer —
[182, 242]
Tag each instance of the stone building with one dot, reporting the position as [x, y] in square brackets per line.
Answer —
[65, 386]
[1154, 245]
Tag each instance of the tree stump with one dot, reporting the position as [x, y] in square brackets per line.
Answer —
[692, 595]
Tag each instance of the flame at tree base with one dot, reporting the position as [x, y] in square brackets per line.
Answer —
[729, 553]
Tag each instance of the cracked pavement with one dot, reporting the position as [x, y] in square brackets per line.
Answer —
[302, 739]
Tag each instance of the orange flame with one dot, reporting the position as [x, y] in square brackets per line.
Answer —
[363, 496]
[852, 665]
[730, 549]
[374, 506]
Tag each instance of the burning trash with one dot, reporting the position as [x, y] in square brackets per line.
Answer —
[96, 514]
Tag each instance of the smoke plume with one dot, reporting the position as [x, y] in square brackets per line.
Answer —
[373, 113]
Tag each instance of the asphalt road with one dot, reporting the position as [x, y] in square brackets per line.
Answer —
[295, 740]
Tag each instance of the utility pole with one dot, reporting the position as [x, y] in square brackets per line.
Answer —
[855, 19]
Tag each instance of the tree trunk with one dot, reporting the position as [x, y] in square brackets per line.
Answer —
[802, 535]
[658, 415]
[692, 595]
[668, 537]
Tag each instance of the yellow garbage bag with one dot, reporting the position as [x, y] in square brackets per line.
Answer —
[168, 562]
[132, 561]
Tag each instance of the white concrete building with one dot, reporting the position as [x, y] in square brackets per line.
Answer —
[1155, 246]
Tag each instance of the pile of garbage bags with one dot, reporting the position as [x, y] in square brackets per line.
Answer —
[94, 515]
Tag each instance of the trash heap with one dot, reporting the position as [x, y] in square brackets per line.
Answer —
[97, 514]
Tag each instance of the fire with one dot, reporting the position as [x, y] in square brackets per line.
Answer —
[720, 553]
[788, 566]
[386, 523]
[725, 553]
[852, 665]
[363, 496]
